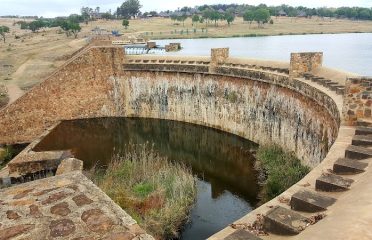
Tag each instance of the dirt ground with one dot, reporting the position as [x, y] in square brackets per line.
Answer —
[27, 58]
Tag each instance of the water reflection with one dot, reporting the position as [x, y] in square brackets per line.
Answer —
[223, 162]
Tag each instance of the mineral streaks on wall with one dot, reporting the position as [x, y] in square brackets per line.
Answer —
[259, 111]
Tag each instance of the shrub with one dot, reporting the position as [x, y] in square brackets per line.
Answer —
[154, 191]
[282, 170]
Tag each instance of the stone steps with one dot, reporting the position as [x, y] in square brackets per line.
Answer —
[363, 131]
[358, 152]
[332, 183]
[309, 201]
[362, 140]
[364, 122]
[284, 221]
[348, 166]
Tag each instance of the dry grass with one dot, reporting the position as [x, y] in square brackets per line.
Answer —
[156, 192]
[162, 28]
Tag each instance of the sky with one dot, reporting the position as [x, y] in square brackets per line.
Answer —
[53, 8]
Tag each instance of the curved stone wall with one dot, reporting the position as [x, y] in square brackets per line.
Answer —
[263, 106]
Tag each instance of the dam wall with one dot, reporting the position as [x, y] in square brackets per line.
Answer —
[260, 104]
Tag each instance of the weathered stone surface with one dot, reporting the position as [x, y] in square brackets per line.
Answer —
[305, 63]
[241, 235]
[11, 232]
[61, 228]
[363, 131]
[23, 194]
[364, 122]
[309, 201]
[283, 221]
[12, 215]
[69, 165]
[358, 152]
[81, 200]
[60, 209]
[120, 236]
[332, 183]
[55, 197]
[44, 191]
[35, 212]
[348, 166]
[362, 140]
[97, 221]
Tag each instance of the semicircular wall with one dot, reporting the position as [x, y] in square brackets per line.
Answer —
[261, 106]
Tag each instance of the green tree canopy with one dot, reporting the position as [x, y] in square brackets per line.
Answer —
[130, 8]
[125, 23]
[3, 31]
[261, 16]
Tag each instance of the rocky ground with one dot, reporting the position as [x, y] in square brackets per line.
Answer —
[4, 98]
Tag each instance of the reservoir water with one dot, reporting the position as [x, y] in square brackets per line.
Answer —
[223, 163]
[349, 52]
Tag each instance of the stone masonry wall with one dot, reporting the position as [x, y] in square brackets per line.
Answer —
[297, 117]
[262, 112]
[306, 62]
[357, 100]
[79, 90]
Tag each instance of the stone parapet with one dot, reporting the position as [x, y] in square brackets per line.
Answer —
[357, 99]
[306, 62]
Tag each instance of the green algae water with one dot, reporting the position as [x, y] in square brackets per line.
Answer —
[227, 182]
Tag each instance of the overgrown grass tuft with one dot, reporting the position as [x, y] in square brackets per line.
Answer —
[282, 170]
[154, 191]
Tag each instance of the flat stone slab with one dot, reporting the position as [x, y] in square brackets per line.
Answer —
[284, 221]
[363, 130]
[332, 183]
[358, 152]
[67, 206]
[69, 165]
[31, 162]
[309, 201]
[364, 122]
[242, 235]
[348, 166]
[362, 140]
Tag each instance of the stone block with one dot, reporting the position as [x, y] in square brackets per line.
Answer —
[241, 235]
[151, 45]
[283, 221]
[305, 62]
[69, 165]
[358, 152]
[362, 140]
[219, 55]
[348, 166]
[364, 122]
[332, 183]
[309, 201]
[363, 131]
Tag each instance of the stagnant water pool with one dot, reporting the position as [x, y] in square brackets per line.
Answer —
[227, 182]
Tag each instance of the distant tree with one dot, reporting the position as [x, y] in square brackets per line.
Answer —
[182, 18]
[248, 17]
[215, 16]
[173, 17]
[3, 31]
[261, 16]
[70, 28]
[107, 15]
[229, 17]
[125, 23]
[75, 28]
[86, 13]
[195, 20]
[364, 14]
[34, 26]
[130, 8]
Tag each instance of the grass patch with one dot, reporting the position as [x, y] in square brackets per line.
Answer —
[6, 154]
[281, 169]
[157, 193]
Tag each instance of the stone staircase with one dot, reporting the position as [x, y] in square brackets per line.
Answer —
[291, 220]
[333, 86]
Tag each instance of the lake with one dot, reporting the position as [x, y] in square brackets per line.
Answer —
[348, 52]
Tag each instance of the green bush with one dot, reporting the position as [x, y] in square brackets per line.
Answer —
[157, 193]
[282, 170]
